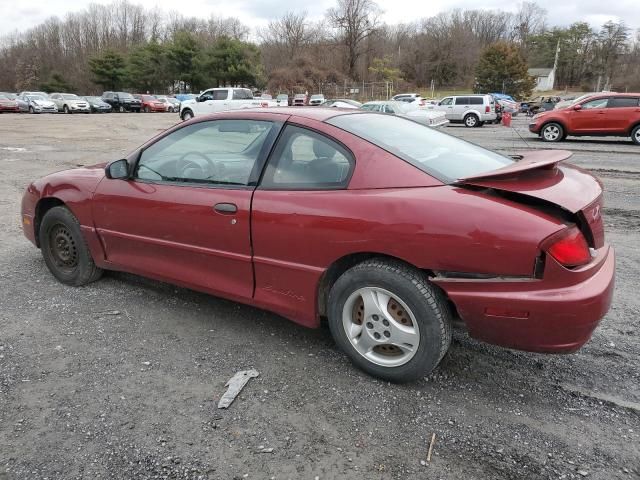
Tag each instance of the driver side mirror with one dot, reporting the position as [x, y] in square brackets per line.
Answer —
[577, 107]
[117, 170]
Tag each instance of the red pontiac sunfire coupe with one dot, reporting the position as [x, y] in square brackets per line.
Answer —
[388, 228]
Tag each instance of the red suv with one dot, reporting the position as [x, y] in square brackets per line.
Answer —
[603, 114]
[151, 103]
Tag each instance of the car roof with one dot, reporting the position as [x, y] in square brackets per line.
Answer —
[320, 114]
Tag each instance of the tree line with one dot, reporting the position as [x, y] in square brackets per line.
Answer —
[125, 46]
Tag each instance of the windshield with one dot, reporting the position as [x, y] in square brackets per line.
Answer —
[443, 156]
[282, 97]
[316, 97]
[69, 96]
[35, 97]
[125, 95]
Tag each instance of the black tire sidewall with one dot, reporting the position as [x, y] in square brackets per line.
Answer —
[634, 137]
[431, 336]
[85, 267]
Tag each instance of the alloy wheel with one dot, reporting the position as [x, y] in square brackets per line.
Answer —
[551, 133]
[380, 326]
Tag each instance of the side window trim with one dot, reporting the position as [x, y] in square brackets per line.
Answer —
[270, 162]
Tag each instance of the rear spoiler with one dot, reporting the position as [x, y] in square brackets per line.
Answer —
[541, 159]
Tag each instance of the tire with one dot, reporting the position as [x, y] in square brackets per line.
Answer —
[635, 135]
[413, 300]
[186, 115]
[121, 109]
[552, 132]
[65, 250]
[471, 120]
[31, 110]
[65, 109]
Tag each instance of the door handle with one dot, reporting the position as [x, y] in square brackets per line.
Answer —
[225, 208]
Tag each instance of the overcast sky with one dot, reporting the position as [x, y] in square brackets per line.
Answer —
[22, 14]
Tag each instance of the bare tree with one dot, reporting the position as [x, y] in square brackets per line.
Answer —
[355, 21]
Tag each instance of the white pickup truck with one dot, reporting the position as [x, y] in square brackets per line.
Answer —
[219, 100]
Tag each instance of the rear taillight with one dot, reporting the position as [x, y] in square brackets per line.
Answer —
[487, 109]
[569, 248]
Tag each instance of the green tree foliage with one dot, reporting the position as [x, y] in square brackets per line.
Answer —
[232, 62]
[502, 68]
[382, 70]
[109, 70]
[56, 83]
[147, 68]
[182, 61]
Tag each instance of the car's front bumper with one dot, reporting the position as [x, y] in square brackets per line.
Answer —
[556, 314]
[534, 128]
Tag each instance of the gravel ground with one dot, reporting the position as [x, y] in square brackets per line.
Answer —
[121, 379]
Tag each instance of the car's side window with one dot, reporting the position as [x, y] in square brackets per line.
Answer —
[242, 94]
[220, 94]
[388, 109]
[623, 102]
[220, 152]
[205, 96]
[462, 101]
[447, 101]
[306, 160]
[476, 100]
[598, 103]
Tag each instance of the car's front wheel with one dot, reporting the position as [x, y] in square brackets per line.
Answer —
[64, 249]
[552, 132]
[389, 320]
[186, 115]
[635, 135]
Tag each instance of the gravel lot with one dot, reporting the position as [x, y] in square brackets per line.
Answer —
[121, 379]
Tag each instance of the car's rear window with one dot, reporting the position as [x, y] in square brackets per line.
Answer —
[443, 156]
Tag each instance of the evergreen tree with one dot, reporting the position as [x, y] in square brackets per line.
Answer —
[502, 68]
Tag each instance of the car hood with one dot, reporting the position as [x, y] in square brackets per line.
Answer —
[539, 175]
[83, 179]
[43, 103]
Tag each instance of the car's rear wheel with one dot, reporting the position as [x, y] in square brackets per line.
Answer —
[186, 115]
[64, 249]
[471, 120]
[389, 320]
[552, 132]
[635, 135]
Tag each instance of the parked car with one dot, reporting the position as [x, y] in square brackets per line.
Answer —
[300, 100]
[181, 97]
[8, 105]
[604, 114]
[97, 105]
[283, 100]
[70, 103]
[22, 105]
[150, 103]
[316, 99]
[472, 110]
[169, 106]
[42, 94]
[406, 97]
[565, 102]
[431, 118]
[508, 104]
[538, 104]
[39, 104]
[219, 100]
[390, 229]
[341, 103]
[122, 102]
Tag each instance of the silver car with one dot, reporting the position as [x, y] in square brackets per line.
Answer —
[70, 103]
[472, 110]
[39, 104]
[427, 117]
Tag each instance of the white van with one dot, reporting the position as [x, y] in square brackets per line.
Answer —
[472, 110]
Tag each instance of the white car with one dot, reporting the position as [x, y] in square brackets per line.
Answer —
[341, 103]
[431, 118]
[219, 100]
[70, 103]
[316, 100]
[472, 110]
